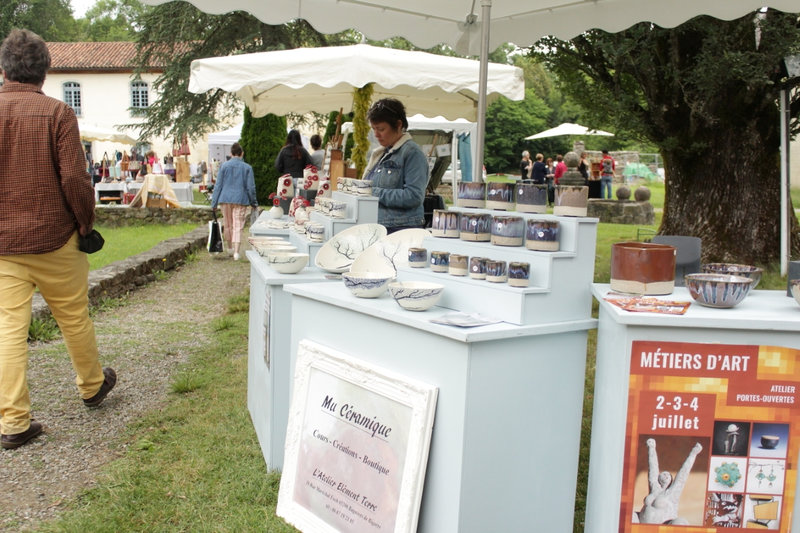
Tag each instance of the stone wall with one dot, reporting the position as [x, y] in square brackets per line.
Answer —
[117, 279]
[115, 216]
[622, 211]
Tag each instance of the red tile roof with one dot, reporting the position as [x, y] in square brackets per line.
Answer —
[92, 56]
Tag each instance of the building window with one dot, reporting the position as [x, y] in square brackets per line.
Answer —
[72, 96]
[139, 97]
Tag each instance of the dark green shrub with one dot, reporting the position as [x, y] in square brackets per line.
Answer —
[262, 139]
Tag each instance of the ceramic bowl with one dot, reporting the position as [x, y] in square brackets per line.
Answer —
[718, 290]
[416, 295]
[287, 263]
[747, 271]
[794, 287]
[339, 252]
[265, 249]
[390, 252]
[366, 284]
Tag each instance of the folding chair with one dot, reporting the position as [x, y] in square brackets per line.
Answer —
[687, 259]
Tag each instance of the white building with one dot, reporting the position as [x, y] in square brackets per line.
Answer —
[97, 79]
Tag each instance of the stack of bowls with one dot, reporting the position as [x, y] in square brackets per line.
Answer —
[733, 269]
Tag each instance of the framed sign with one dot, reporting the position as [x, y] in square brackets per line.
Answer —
[356, 446]
[713, 434]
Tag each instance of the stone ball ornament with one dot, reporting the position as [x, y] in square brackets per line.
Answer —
[623, 193]
[642, 194]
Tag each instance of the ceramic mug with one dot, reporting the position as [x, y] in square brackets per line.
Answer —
[362, 187]
[458, 265]
[338, 209]
[471, 194]
[417, 257]
[477, 267]
[440, 261]
[500, 196]
[519, 274]
[496, 271]
[531, 198]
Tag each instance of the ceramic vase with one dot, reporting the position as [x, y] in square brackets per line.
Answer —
[475, 227]
[444, 223]
[471, 194]
[642, 268]
[531, 198]
[542, 235]
[571, 200]
[500, 196]
[508, 230]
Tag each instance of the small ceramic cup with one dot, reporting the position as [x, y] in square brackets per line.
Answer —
[440, 261]
[444, 223]
[315, 232]
[496, 271]
[519, 274]
[458, 265]
[477, 267]
[508, 230]
[362, 187]
[338, 209]
[417, 257]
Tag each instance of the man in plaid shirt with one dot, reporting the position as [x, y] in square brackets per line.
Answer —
[46, 199]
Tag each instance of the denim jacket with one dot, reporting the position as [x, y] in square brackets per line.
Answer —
[235, 184]
[399, 178]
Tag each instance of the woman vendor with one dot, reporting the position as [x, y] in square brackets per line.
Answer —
[398, 168]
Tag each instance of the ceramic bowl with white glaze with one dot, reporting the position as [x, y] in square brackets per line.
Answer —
[264, 248]
[339, 252]
[718, 290]
[366, 284]
[287, 263]
[416, 295]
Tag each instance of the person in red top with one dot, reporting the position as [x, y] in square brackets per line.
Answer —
[608, 165]
[560, 169]
[46, 200]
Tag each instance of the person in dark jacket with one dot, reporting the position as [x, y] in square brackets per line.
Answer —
[292, 158]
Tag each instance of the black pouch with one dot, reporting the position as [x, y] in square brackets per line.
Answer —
[91, 243]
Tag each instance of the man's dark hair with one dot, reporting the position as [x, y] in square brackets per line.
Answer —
[24, 57]
[316, 141]
[236, 149]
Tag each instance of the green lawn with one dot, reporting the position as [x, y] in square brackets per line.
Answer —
[124, 242]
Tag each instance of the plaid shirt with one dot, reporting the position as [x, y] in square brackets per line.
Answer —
[45, 191]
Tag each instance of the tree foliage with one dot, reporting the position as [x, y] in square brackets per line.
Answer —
[506, 121]
[261, 140]
[706, 94]
[111, 20]
[51, 19]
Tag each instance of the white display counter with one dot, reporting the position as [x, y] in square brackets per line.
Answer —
[268, 375]
[763, 318]
[504, 451]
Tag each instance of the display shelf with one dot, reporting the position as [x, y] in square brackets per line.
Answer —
[555, 292]
[360, 210]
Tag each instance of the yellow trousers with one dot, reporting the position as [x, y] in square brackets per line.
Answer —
[62, 277]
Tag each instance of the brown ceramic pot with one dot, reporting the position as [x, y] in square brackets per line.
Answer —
[642, 268]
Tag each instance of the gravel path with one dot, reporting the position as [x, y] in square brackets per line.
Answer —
[145, 340]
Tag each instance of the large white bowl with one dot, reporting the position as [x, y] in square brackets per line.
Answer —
[265, 250]
[366, 284]
[287, 263]
[390, 252]
[342, 249]
[416, 295]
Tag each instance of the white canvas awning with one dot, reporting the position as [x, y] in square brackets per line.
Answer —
[322, 80]
[95, 132]
[568, 128]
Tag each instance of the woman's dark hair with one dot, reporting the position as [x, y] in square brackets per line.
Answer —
[236, 149]
[293, 139]
[316, 141]
[388, 110]
[24, 57]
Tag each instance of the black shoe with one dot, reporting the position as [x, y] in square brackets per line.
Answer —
[9, 442]
[105, 388]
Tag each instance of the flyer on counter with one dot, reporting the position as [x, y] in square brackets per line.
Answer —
[357, 445]
[712, 438]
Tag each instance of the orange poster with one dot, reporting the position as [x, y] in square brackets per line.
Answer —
[712, 438]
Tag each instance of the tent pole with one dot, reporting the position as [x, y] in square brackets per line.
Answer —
[785, 118]
[486, 12]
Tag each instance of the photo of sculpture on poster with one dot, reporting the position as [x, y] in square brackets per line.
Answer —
[357, 445]
[713, 434]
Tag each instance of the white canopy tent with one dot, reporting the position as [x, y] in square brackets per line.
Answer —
[95, 132]
[220, 142]
[568, 128]
[322, 79]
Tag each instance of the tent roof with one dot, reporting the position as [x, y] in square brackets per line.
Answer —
[228, 136]
[523, 22]
[95, 132]
[421, 122]
[322, 79]
[568, 128]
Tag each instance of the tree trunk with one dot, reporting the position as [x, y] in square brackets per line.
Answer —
[730, 198]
